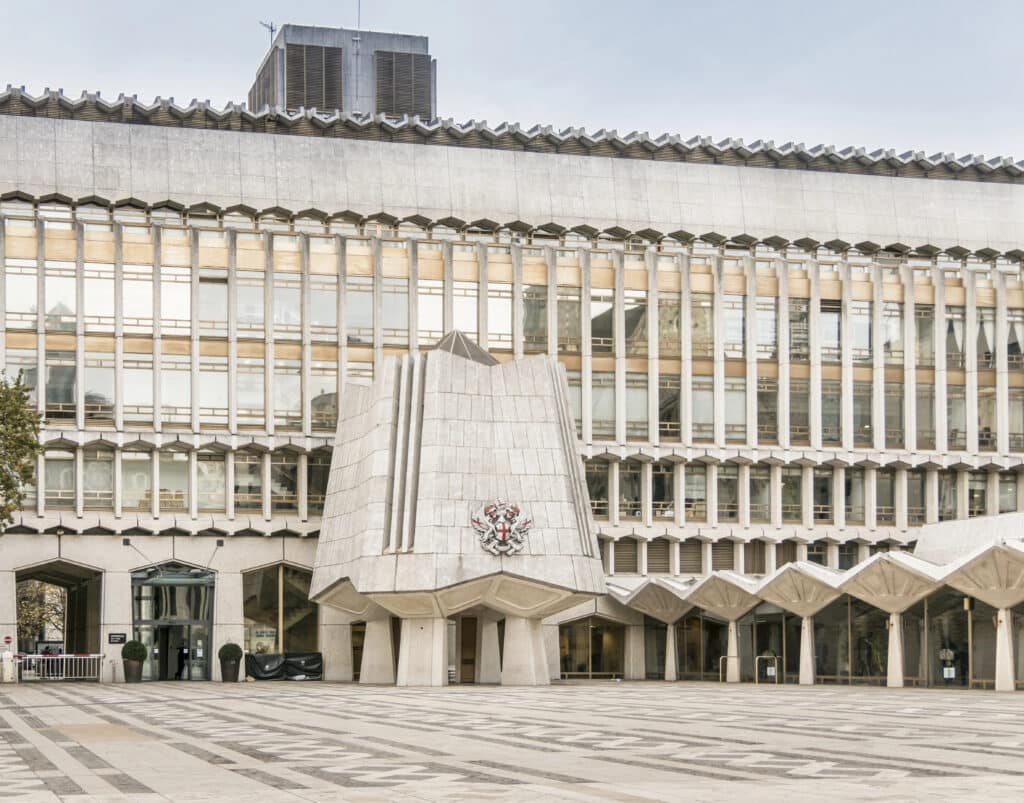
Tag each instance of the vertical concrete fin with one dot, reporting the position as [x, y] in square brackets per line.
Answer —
[399, 456]
[580, 495]
[413, 437]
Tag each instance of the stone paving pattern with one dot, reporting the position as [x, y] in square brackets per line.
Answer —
[604, 741]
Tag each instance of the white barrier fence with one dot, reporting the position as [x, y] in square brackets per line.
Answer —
[59, 667]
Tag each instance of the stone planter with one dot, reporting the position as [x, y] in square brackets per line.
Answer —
[132, 671]
[228, 670]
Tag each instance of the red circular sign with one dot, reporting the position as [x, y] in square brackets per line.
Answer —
[7, 639]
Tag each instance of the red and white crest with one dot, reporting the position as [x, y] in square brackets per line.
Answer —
[502, 526]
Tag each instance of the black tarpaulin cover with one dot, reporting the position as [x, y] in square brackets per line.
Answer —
[290, 666]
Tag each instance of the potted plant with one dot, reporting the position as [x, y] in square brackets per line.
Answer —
[133, 654]
[230, 654]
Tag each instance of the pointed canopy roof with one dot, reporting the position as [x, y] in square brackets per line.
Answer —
[455, 342]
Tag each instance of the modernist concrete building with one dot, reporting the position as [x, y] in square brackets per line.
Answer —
[796, 377]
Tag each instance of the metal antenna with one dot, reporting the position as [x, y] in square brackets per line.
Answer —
[271, 28]
[359, 14]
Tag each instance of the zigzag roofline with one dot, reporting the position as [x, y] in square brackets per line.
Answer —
[92, 107]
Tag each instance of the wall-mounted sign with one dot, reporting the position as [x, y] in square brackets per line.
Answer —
[117, 638]
[501, 527]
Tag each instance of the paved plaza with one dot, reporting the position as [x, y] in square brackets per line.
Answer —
[605, 741]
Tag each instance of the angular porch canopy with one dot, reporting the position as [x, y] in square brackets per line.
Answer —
[892, 581]
[994, 574]
[728, 596]
[661, 599]
[801, 588]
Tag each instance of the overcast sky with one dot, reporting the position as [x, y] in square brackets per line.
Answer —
[931, 76]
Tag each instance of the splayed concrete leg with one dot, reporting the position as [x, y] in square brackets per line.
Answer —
[894, 670]
[807, 651]
[378, 665]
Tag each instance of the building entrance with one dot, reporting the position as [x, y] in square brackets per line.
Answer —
[173, 608]
[467, 650]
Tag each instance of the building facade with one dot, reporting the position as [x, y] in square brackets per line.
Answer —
[786, 368]
[336, 69]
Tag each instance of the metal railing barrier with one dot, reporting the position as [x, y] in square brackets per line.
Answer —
[724, 658]
[59, 667]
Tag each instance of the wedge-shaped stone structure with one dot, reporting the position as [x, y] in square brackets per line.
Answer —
[414, 523]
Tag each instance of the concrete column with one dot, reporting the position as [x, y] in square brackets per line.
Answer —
[900, 497]
[962, 493]
[335, 645]
[894, 678]
[1005, 679]
[839, 497]
[991, 493]
[732, 661]
[116, 615]
[8, 611]
[931, 496]
[743, 497]
[718, 366]
[971, 356]
[423, 652]
[671, 670]
[775, 495]
[552, 650]
[807, 651]
[807, 496]
[228, 620]
[635, 665]
[909, 360]
[488, 668]
[941, 423]
[705, 563]
[846, 356]
[525, 660]
[647, 494]
[712, 493]
[378, 665]
[814, 320]
[870, 498]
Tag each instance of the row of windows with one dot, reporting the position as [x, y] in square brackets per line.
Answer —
[257, 305]
[700, 493]
[692, 556]
[171, 481]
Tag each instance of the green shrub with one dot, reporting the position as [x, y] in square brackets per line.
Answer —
[230, 652]
[134, 651]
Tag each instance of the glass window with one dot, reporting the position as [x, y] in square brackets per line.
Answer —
[318, 472]
[792, 498]
[799, 329]
[250, 302]
[596, 472]
[173, 481]
[175, 301]
[734, 325]
[635, 317]
[1007, 492]
[663, 490]
[767, 409]
[977, 494]
[894, 415]
[60, 385]
[702, 331]
[696, 487]
[885, 497]
[947, 495]
[212, 481]
[760, 493]
[99, 389]
[23, 362]
[284, 481]
[59, 469]
[323, 305]
[137, 298]
[175, 388]
[955, 337]
[669, 336]
[569, 321]
[636, 406]
[248, 480]
[98, 479]
[213, 305]
[137, 405]
[288, 307]
[359, 309]
[986, 337]
[799, 411]
[20, 296]
[924, 331]
[863, 430]
[213, 389]
[735, 409]
[956, 416]
[61, 303]
[728, 493]
[703, 388]
[279, 618]
[136, 481]
[892, 332]
[629, 489]
[430, 311]
[465, 303]
[288, 394]
[831, 411]
[915, 497]
[395, 311]
[853, 484]
[925, 416]
[251, 392]
[860, 331]
[602, 321]
[98, 297]
[822, 492]
[1015, 338]
[535, 319]
[767, 328]
[668, 407]
[499, 315]
[323, 394]
[603, 400]
[1016, 416]
[987, 441]
[831, 338]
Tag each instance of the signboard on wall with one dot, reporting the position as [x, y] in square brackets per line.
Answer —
[117, 638]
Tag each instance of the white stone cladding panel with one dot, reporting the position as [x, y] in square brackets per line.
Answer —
[152, 163]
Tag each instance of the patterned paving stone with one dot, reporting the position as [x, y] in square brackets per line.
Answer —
[614, 741]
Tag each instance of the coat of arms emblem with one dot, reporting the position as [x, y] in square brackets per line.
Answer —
[502, 526]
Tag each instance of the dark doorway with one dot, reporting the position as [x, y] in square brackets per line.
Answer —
[467, 650]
